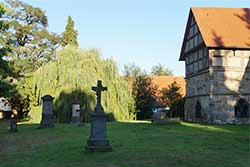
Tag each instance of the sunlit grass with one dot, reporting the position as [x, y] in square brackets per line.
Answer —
[206, 127]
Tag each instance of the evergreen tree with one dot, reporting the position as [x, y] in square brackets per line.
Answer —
[171, 95]
[144, 93]
[70, 34]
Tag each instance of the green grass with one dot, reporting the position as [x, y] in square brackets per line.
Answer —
[134, 144]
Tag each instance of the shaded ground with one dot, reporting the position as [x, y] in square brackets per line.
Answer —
[135, 144]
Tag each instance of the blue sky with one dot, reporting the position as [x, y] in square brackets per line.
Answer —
[144, 32]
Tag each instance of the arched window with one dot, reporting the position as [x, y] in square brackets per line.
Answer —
[198, 110]
[241, 110]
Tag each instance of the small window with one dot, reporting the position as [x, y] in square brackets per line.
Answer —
[196, 40]
[191, 68]
[195, 66]
[187, 69]
[200, 65]
[200, 53]
[191, 58]
[191, 31]
[206, 61]
[195, 56]
[205, 52]
[191, 43]
[200, 40]
[195, 29]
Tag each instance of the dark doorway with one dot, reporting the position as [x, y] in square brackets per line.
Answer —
[198, 110]
[241, 110]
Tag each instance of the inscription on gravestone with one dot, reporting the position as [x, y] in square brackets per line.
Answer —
[47, 114]
[98, 140]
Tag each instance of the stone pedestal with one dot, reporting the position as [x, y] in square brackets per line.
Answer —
[98, 139]
[47, 114]
[13, 125]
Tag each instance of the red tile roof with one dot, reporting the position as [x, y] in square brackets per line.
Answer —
[222, 27]
[164, 81]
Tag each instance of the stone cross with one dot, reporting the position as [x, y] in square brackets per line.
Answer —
[98, 89]
[98, 139]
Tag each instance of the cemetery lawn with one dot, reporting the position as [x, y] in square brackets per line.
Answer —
[141, 144]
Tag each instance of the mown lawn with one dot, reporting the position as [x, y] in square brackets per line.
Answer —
[134, 144]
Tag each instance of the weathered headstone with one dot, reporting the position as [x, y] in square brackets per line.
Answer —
[13, 125]
[47, 114]
[76, 111]
[98, 140]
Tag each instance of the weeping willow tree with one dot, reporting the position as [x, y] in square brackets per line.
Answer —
[69, 78]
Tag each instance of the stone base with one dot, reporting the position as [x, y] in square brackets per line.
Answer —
[13, 125]
[47, 121]
[76, 120]
[98, 145]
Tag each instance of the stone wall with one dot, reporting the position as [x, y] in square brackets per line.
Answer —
[198, 85]
[229, 72]
[219, 89]
[222, 108]
[190, 109]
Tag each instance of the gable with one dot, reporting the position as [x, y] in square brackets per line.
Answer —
[221, 27]
[192, 37]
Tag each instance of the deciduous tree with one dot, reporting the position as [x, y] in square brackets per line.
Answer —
[132, 70]
[29, 43]
[160, 70]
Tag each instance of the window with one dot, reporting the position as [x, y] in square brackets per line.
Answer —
[191, 43]
[195, 56]
[191, 68]
[200, 65]
[191, 58]
[200, 53]
[195, 29]
[191, 31]
[200, 40]
[196, 40]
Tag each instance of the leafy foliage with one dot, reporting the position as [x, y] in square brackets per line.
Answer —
[160, 70]
[71, 77]
[70, 34]
[5, 69]
[28, 41]
[132, 70]
[177, 108]
[171, 95]
[25, 45]
[144, 93]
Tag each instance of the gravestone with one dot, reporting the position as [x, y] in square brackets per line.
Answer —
[98, 140]
[47, 114]
[13, 125]
[76, 114]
